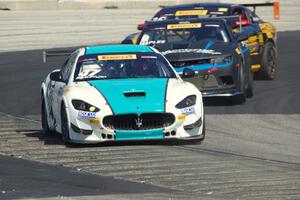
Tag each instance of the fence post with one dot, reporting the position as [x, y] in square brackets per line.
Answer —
[276, 10]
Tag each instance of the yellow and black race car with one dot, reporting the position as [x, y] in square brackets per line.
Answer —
[262, 42]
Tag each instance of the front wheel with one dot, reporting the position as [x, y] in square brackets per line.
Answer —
[241, 98]
[65, 125]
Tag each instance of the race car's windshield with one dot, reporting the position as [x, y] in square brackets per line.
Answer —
[187, 35]
[121, 66]
[190, 13]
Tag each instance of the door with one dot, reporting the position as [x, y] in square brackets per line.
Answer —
[59, 87]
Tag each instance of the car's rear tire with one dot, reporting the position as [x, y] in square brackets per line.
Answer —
[44, 119]
[249, 90]
[268, 63]
[65, 125]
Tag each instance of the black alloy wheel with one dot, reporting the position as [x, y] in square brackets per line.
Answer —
[44, 119]
[65, 125]
[268, 64]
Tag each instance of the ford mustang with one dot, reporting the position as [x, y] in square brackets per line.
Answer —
[120, 92]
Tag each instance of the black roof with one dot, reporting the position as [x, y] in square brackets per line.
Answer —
[220, 20]
[225, 5]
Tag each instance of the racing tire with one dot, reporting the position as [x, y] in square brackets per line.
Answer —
[242, 97]
[268, 63]
[65, 126]
[249, 90]
[44, 119]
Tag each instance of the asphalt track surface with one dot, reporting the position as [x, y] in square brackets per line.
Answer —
[252, 151]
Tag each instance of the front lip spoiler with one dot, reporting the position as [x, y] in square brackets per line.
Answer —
[221, 95]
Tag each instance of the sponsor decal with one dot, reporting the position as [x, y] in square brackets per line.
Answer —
[190, 12]
[181, 117]
[182, 26]
[238, 51]
[67, 89]
[94, 121]
[223, 9]
[87, 114]
[118, 57]
[216, 13]
[207, 51]
[212, 25]
[188, 110]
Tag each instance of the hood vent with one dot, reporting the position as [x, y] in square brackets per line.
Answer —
[134, 94]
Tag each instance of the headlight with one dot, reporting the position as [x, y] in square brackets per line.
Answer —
[81, 105]
[187, 102]
[220, 60]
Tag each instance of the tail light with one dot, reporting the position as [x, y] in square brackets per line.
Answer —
[140, 26]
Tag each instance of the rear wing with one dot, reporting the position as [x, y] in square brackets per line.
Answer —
[275, 6]
[55, 53]
[254, 5]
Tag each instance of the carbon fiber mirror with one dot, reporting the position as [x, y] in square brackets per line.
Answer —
[55, 76]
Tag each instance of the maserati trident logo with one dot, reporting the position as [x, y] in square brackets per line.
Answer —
[139, 122]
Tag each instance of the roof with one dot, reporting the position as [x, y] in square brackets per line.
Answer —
[194, 20]
[117, 49]
[225, 5]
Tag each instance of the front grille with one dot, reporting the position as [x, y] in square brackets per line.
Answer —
[178, 64]
[144, 121]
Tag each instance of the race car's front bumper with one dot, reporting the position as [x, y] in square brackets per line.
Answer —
[216, 82]
[92, 130]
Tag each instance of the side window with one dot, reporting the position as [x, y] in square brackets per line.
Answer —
[67, 68]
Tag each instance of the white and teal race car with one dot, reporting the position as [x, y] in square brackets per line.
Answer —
[118, 93]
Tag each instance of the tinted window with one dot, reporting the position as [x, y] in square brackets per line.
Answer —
[120, 66]
[166, 35]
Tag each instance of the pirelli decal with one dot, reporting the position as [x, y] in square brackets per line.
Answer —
[190, 12]
[183, 26]
[117, 57]
[223, 9]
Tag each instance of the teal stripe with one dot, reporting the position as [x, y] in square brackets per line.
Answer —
[114, 89]
[139, 135]
[117, 49]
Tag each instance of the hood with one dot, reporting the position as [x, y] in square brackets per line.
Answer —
[138, 95]
[191, 51]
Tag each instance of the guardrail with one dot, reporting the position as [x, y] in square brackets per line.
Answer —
[55, 53]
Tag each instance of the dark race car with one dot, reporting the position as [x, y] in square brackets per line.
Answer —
[261, 42]
[208, 48]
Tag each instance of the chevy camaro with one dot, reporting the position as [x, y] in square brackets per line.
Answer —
[207, 46]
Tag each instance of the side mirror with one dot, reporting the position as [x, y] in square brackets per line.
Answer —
[255, 19]
[55, 76]
[188, 73]
[140, 27]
